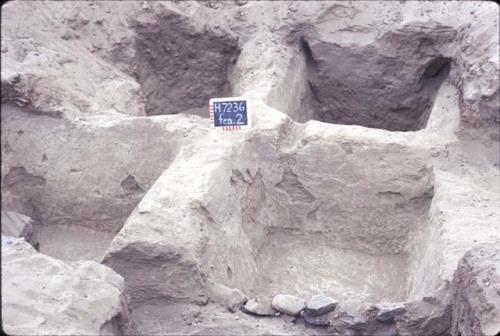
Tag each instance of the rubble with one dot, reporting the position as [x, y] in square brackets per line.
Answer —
[260, 306]
[320, 305]
[288, 304]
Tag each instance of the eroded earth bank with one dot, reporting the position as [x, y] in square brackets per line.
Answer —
[363, 200]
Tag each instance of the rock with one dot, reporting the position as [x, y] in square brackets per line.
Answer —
[423, 318]
[288, 304]
[259, 306]
[476, 289]
[387, 312]
[231, 298]
[45, 296]
[320, 305]
[355, 322]
[235, 300]
[17, 225]
[312, 319]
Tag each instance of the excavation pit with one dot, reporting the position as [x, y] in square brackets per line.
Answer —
[82, 195]
[355, 108]
[329, 217]
[344, 224]
[309, 238]
[180, 66]
[387, 84]
[307, 265]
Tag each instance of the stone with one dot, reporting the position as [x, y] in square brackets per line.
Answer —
[235, 300]
[388, 311]
[17, 225]
[476, 310]
[320, 305]
[288, 304]
[355, 322]
[231, 298]
[45, 296]
[312, 319]
[259, 306]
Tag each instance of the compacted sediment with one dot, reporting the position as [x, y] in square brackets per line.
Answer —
[363, 199]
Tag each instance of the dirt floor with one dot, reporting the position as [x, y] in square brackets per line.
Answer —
[73, 243]
[309, 265]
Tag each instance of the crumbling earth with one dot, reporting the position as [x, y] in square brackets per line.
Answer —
[363, 200]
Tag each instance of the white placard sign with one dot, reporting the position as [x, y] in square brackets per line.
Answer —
[229, 114]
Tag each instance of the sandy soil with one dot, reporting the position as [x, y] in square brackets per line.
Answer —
[72, 243]
[305, 266]
[370, 172]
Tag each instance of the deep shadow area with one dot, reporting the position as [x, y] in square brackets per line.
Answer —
[390, 83]
[363, 87]
[180, 67]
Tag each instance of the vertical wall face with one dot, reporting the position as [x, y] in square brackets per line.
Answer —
[425, 256]
[361, 197]
[180, 66]
[477, 58]
[90, 175]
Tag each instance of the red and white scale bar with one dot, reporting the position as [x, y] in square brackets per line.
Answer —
[211, 110]
[225, 128]
[231, 128]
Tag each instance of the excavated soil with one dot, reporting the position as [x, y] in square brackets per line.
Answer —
[370, 172]
[180, 67]
[312, 265]
[73, 242]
